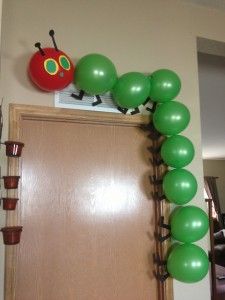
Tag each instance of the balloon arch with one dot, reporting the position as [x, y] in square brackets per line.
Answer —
[51, 69]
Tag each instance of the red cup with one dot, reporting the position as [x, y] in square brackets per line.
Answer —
[9, 203]
[14, 149]
[11, 182]
[11, 235]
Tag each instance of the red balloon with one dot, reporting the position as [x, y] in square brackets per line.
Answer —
[51, 71]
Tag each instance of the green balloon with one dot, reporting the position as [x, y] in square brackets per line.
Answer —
[179, 186]
[189, 224]
[95, 74]
[177, 151]
[171, 247]
[171, 118]
[165, 85]
[188, 263]
[131, 90]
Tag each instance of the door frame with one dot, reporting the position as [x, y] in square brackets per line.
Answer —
[18, 113]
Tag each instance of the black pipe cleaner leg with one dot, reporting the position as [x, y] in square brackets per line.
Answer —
[99, 101]
[153, 108]
[146, 101]
[158, 197]
[161, 277]
[161, 263]
[135, 111]
[78, 97]
[161, 238]
[158, 261]
[162, 224]
[156, 162]
[153, 133]
[154, 180]
[154, 150]
[122, 110]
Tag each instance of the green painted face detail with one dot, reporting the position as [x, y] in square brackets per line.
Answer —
[64, 62]
[51, 66]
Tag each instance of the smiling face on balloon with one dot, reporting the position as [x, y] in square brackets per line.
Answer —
[50, 68]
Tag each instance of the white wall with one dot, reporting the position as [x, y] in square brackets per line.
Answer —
[140, 36]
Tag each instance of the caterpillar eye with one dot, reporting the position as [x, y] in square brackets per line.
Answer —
[64, 62]
[51, 66]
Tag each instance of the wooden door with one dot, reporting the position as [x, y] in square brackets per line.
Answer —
[85, 207]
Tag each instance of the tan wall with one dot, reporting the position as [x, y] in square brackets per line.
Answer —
[2, 219]
[217, 168]
[140, 35]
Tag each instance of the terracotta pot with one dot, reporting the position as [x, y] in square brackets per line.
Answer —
[11, 235]
[9, 203]
[13, 149]
[11, 182]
